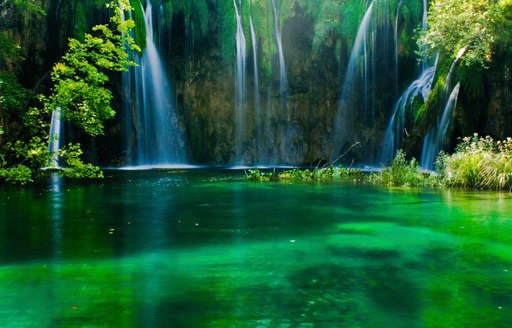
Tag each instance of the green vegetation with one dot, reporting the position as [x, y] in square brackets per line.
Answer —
[403, 173]
[481, 26]
[323, 174]
[477, 163]
[480, 163]
[78, 90]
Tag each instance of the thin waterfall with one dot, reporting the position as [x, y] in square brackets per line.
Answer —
[344, 121]
[156, 136]
[258, 120]
[395, 38]
[285, 130]
[282, 66]
[240, 86]
[255, 63]
[54, 141]
[438, 134]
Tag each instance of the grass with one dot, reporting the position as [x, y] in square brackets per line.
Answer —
[403, 173]
[478, 163]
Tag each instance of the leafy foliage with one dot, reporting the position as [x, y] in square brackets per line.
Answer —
[474, 24]
[77, 169]
[80, 77]
[18, 174]
[79, 90]
[29, 5]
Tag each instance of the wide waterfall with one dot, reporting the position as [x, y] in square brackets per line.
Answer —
[154, 133]
[240, 86]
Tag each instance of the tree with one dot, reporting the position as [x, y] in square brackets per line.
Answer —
[79, 91]
[480, 26]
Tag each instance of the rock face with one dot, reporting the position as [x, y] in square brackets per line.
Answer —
[205, 88]
[290, 126]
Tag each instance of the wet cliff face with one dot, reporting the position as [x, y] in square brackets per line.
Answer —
[205, 87]
[292, 127]
[295, 125]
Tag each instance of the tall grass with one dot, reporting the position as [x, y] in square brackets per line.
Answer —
[478, 162]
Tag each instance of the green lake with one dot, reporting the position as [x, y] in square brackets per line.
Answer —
[206, 248]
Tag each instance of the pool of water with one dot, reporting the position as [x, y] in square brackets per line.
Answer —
[199, 248]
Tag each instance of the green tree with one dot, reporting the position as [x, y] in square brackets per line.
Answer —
[79, 90]
[480, 26]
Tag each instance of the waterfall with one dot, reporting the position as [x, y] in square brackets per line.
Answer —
[155, 136]
[396, 129]
[344, 121]
[282, 66]
[54, 139]
[258, 119]
[255, 63]
[395, 37]
[240, 86]
[437, 135]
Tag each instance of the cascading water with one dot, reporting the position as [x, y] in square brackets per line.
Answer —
[54, 143]
[255, 63]
[437, 135]
[258, 119]
[282, 67]
[396, 129]
[156, 137]
[240, 86]
[357, 73]
[395, 38]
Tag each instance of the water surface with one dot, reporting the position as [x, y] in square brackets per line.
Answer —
[200, 248]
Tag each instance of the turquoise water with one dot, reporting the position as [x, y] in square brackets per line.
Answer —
[208, 249]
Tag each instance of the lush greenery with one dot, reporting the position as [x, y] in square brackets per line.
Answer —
[481, 26]
[78, 91]
[478, 162]
[318, 174]
[402, 172]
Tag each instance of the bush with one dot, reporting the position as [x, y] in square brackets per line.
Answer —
[402, 173]
[299, 175]
[478, 162]
[17, 174]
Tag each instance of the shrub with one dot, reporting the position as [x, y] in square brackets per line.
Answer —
[402, 173]
[478, 162]
[17, 174]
